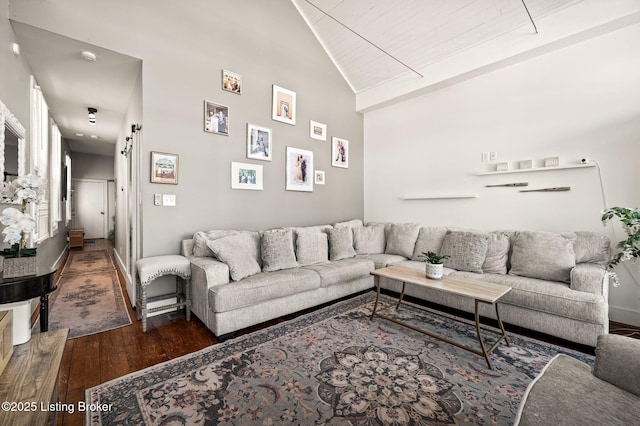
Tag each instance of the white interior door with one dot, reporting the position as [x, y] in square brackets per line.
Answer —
[90, 198]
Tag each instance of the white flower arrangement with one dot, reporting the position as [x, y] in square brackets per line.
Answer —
[18, 223]
[629, 248]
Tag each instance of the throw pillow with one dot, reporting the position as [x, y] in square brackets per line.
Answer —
[277, 250]
[592, 247]
[340, 244]
[349, 224]
[467, 250]
[200, 239]
[543, 255]
[497, 254]
[429, 239]
[312, 247]
[369, 239]
[233, 250]
[402, 239]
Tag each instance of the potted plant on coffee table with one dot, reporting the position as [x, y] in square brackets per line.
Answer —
[434, 266]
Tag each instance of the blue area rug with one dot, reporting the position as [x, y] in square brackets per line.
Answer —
[333, 366]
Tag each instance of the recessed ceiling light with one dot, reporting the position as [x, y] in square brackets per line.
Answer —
[80, 134]
[15, 48]
[88, 56]
[94, 137]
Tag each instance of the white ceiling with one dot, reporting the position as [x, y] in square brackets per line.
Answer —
[71, 85]
[371, 42]
[374, 41]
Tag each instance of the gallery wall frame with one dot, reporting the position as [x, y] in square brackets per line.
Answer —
[216, 118]
[317, 130]
[299, 169]
[164, 168]
[231, 82]
[339, 152]
[259, 142]
[319, 177]
[246, 176]
[283, 108]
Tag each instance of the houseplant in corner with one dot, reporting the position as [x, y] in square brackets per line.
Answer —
[434, 267]
[18, 259]
[630, 219]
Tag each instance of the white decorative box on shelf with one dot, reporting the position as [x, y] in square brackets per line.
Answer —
[537, 169]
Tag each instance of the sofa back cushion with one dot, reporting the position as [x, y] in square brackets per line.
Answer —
[467, 250]
[341, 243]
[497, 256]
[277, 250]
[235, 251]
[430, 238]
[401, 239]
[544, 255]
[369, 239]
[354, 223]
[312, 247]
[592, 247]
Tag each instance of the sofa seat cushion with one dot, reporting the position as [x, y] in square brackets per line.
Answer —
[546, 296]
[342, 271]
[382, 260]
[566, 393]
[261, 287]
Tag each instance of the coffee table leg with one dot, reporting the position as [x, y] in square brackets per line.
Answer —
[484, 350]
[401, 295]
[375, 305]
[504, 333]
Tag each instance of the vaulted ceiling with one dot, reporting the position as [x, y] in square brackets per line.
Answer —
[374, 41]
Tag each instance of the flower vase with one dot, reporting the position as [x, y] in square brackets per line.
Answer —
[434, 270]
[19, 266]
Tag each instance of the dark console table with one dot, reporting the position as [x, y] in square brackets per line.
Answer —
[19, 289]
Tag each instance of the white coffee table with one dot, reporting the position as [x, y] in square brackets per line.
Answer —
[480, 292]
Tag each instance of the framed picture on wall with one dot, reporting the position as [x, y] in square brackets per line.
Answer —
[258, 142]
[284, 105]
[231, 82]
[216, 118]
[339, 152]
[246, 176]
[299, 169]
[164, 168]
[318, 177]
[317, 130]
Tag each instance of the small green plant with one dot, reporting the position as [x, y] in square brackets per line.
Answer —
[434, 258]
[629, 248]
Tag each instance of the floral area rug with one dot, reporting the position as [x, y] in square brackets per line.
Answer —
[89, 299]
[332, 367]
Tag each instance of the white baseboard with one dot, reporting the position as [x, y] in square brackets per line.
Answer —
[130, 285]
[624, 315]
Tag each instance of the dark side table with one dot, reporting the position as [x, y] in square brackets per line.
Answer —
[19, 289]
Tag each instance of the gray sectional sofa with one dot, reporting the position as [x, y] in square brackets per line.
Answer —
[242, 278]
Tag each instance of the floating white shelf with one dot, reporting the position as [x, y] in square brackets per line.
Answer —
[537, 169]
[438, 197]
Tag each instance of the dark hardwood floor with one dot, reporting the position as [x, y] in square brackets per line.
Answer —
[91, 360]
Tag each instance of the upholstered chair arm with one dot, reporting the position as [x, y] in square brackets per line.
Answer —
[590, 278]
[618, 362]
[209, 270]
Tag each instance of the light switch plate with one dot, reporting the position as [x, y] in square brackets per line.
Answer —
[168, 200]
[157, 199]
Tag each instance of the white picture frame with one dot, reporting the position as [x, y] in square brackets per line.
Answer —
[259, 142]
[246, 176]
[319, 177]
[283, 108]
[299, 170]
[317, 130]
[339, 152]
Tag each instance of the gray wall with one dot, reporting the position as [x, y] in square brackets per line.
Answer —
[89, 166]
[184, 47]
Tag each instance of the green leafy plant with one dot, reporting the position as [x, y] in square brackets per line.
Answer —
[630, 219]
[434, 258]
